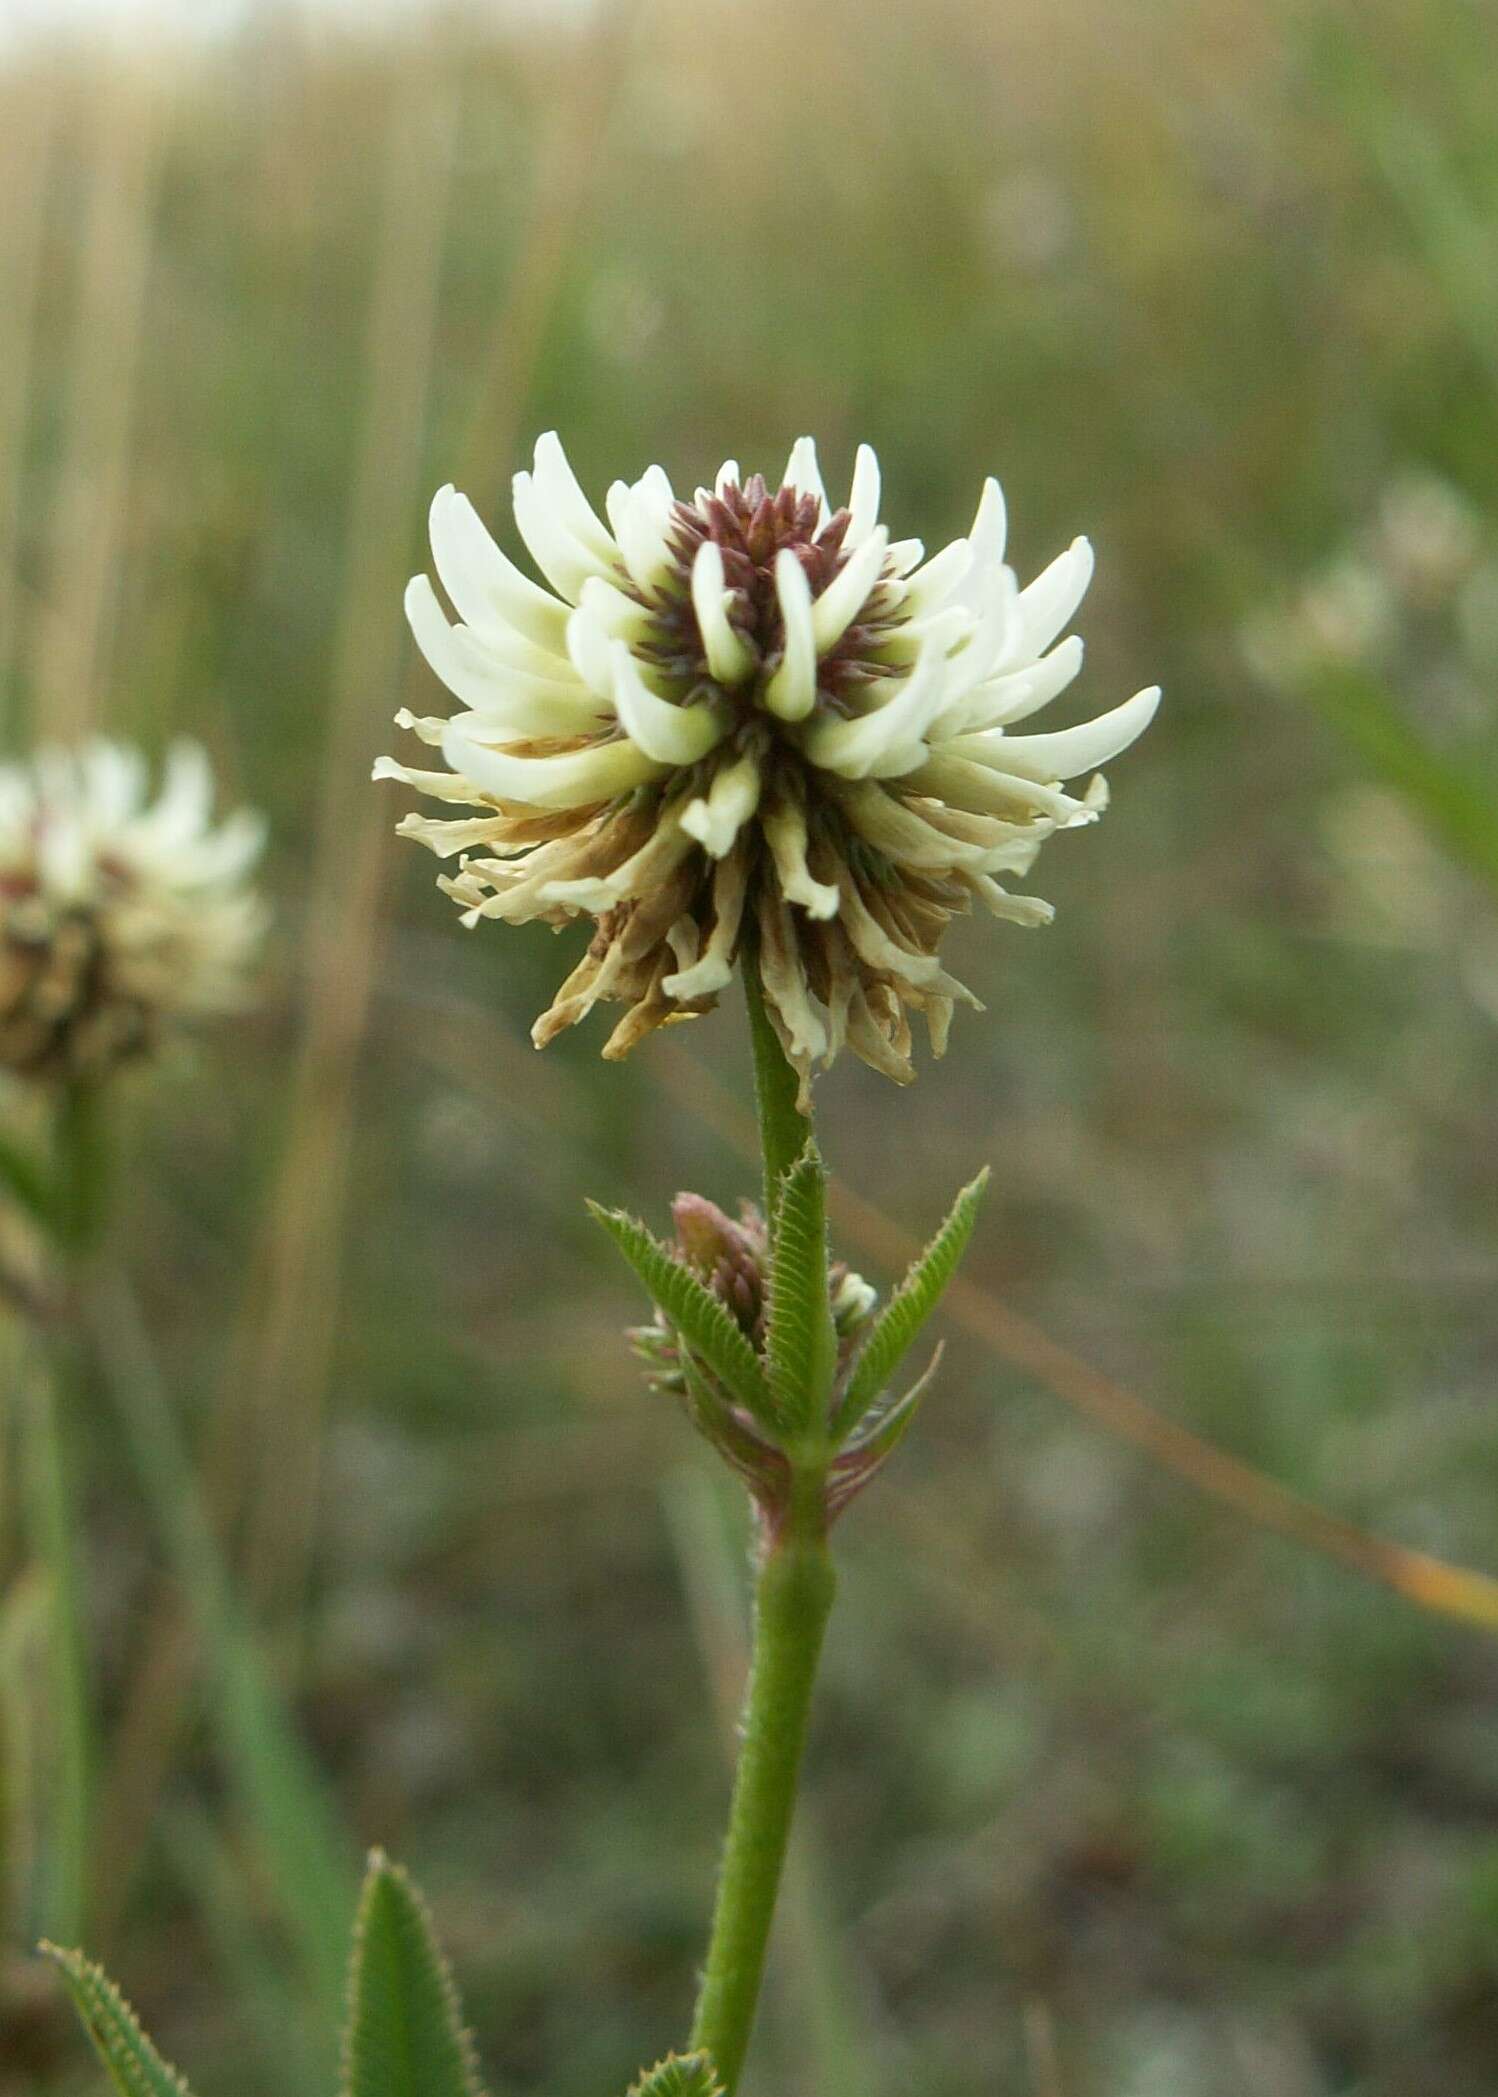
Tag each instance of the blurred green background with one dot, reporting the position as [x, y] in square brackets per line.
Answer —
[1113, 1790]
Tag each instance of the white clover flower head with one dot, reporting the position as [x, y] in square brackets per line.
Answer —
[120, 916]
[749, 713]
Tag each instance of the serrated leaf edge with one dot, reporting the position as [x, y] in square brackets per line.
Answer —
[737, 1365]
[801, 1384]
[87, 1982]
[691, 2064]
[880, 1355]
[379, 1869]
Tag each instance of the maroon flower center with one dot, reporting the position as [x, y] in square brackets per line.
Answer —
[751, 527]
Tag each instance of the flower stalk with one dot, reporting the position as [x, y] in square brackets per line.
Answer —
[793, 1599]
[784, 1131]
[78, 1195]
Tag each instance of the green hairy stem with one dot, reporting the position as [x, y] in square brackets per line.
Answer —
[784, 1131]
[792, 1603]
[793, 1599]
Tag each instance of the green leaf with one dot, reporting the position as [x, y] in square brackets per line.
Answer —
[679, 2075]
[133, 2065]
[702, 1321]
[801, 1338]
[879, 1435]
[897, 1327]
[405, 2035]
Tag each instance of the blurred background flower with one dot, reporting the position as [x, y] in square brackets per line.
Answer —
[122, 916]
[1216, 280]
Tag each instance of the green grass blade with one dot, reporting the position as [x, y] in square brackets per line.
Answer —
[899, 1324]
[132, 2063]
[801, 1339]
[286, 1806]
[24, 1627]
[26, 1180]
[702, 1321]
[1453, 800]
[299, 2044]
[405, 2035]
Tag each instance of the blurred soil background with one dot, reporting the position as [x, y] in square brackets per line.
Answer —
[1115, 1791]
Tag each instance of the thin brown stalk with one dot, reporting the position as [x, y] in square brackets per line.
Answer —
[307, 1211]
[468, 1042]
[275, 1386]
[1431, 1583]
[87, 520]
[27, 125]
[1041, 2050]
[141, 1756]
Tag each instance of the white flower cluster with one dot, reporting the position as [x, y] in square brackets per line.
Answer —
[120, 915]
[750, 712]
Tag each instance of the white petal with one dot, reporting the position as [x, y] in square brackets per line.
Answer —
[238, 844]
[1047, 604]
[623, 617]
[442, 786]
[716, 819]
[429, 727]
[990, 526]
[802, 472]
[444, 837]
[931, 586]
[661, 853]
[863, 498]
[487, 589]
[729, 657]
[1071, 750]
[522, 704]
[115, 780]
[980, 782]
[888, 741]
[905, 554]
[785, 829]
[591, 648]
[941, 631]
[910, 838]
[641, 516]
[792, 692]
[573, 780]
[1030, 911]
[560, 555]
[672, 735]
[974, 696]
[185, 803]
[845, 596]
[1024, 692]
[713, 971]
[728, 476]
[558, 484]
